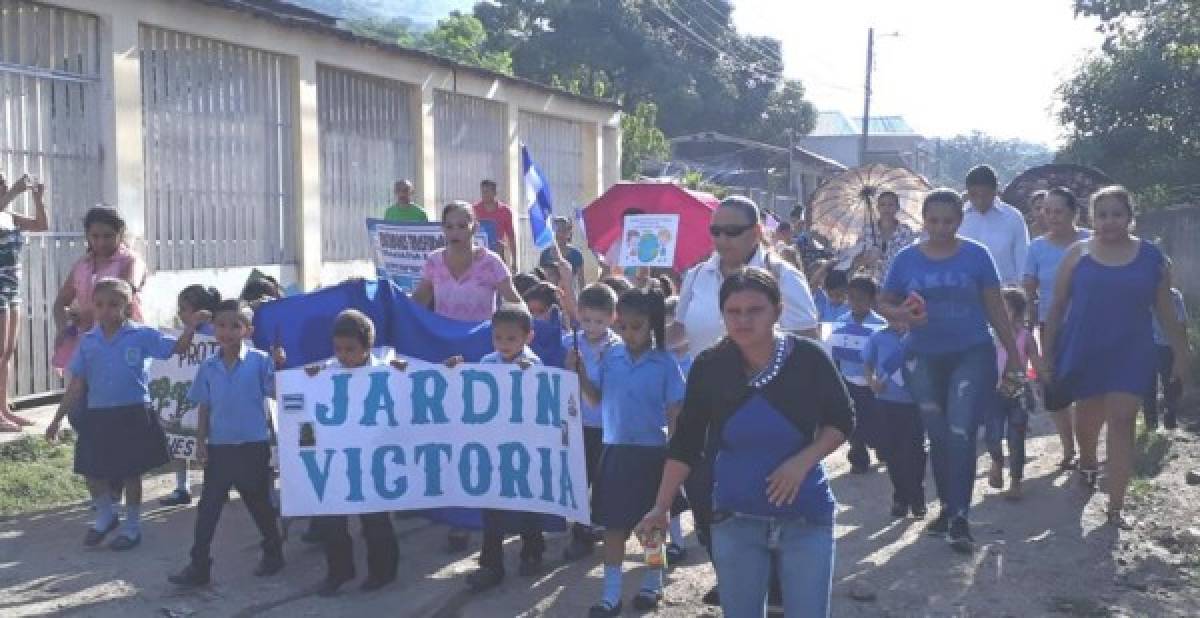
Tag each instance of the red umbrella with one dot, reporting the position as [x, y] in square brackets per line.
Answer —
[602, 218]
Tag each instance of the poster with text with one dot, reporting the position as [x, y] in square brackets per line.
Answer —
[400, 249]
[649, 241]
[378, 439]
[169, 383]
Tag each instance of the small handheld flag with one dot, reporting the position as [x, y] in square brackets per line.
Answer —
[537, 199]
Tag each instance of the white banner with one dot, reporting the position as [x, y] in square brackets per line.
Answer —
[169, 383]
[649, 240]
[376, 439]
[401, 248]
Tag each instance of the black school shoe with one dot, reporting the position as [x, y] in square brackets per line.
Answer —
[960, 536]
[712, 597]
[604, 610]
[484, 578]
[647, 600]
[939, 526]
[919, 511]
[192, 576]
[178, 497]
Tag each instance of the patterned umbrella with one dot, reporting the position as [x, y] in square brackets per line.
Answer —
[844, 206]
[1082, 181]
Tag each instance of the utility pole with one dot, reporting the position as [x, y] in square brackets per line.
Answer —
[866, 119]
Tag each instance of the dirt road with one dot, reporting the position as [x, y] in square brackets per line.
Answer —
[1046, 555]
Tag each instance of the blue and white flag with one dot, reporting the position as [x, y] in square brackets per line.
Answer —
[537, 198]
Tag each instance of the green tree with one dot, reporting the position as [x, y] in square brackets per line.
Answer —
[396, 30]
[462, 38]
[955, 156]
[641, 140]
[1133, 108]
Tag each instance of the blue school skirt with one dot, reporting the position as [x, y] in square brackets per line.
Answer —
[627, 484]
[117, 443]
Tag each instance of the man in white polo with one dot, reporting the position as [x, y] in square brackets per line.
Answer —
[995, 225]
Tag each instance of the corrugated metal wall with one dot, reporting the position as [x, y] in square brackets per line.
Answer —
[49, 128]
[556, 145]
[366, 145]
[470, 146]
[217, 122]
[612, 163]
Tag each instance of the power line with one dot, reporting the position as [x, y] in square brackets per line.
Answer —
[733, 35]
[720, 15]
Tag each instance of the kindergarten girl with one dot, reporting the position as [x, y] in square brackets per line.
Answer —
[119, 436]
[1009, 416]
[193, 298]
[640, 390]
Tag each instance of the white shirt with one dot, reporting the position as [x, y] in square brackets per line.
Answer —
[699, 303]
[1002, 230]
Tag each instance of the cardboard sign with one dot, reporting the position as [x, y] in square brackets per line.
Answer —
[170, 381]
[400, 249]
[649, 240]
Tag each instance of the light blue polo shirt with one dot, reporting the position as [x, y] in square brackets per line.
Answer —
[590, 354]
[115, 369]
[495, 358]
[635, 395]
[236, 396]
[1041, 263]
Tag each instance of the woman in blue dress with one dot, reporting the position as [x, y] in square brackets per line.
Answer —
[1100, 339]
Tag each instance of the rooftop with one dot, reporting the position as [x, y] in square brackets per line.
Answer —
[836, 123]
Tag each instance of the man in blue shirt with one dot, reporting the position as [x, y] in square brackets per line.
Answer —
[231, 389]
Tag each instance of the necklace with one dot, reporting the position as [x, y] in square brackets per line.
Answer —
[771, 371]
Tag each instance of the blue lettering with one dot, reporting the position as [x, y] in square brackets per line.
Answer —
[470, 415]
[547, 474]
[426, 404]
[341, 401]
[566, 488]
[432, 453]
[354, 474]
[318, 475]
[379, 473]
[379, 397]
[549, 399]
[517, 397]
[482, 467]
[514, 470]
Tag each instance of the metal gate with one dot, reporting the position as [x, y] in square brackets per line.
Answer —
[470, 145]
[366, 144]
[49, 128]
[556, 145]
[217, 134]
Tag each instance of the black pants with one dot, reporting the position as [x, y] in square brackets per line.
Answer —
[1172, 391]
[593, 444]
[903, 450]
[245, 467]
[865, 425]
[380, 539]
[496, 523]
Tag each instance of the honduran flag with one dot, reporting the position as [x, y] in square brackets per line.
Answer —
[537, 199]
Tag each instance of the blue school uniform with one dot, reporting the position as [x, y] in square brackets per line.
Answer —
[235, 396]
[847, 341]
[885, 352]
[590, 355]
[635, 395]
[119, 437]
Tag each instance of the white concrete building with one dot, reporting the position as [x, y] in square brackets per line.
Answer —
[240, 134]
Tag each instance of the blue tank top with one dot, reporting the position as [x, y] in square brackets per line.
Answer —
[1109, 317]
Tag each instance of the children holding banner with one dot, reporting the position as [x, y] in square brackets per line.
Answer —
[192, 299]
[353, 337]
[230, 391]
[119, 436]
[512, 330]
[640, 389]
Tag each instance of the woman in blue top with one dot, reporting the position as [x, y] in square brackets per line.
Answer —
[947, 290]
[1099, 338]
[1059, 212]
[774, 407]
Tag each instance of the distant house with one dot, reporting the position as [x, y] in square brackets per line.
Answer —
[746, 165]
[890, 141]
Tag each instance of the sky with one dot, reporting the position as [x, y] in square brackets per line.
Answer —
[955, 66]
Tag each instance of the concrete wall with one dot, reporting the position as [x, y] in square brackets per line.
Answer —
[123, 140]
[1179, 229]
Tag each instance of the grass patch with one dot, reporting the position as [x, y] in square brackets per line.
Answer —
[36, 475]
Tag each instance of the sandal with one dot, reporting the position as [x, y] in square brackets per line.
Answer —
[1088, 476]
[1067, 462]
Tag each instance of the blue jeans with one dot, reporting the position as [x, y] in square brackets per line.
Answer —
[949, 390]
[1007, 417]
[743, 546]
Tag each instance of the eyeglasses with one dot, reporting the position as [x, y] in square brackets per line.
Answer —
[729, 231]
[456, 226]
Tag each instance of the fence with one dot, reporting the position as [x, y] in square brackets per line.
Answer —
[366, 144]
[1179, 229]
[218, 149]
[470, 135]
[780, 205]
[49, 102]
[556, 146]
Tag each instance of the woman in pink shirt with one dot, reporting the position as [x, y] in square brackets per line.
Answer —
[463, 281]
[107, 256]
